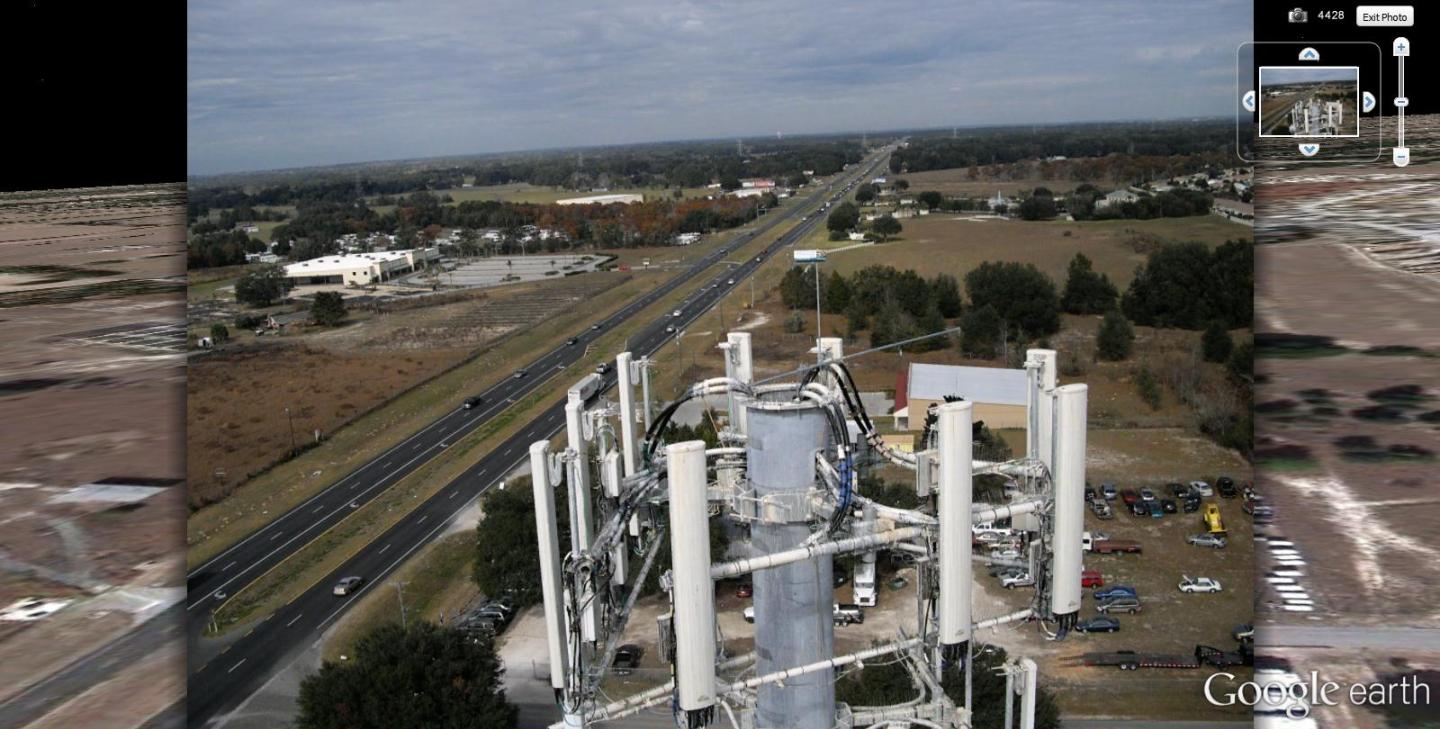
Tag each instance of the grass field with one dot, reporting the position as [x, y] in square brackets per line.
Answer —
[944, 242]
[957, 183]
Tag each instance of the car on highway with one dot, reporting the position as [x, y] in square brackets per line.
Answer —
[519, 374]
[596, 327]
[471, 402]
[677, 313]
[1198, 584]
[572, 341]
[1147, 495]
[348, 585]
[1114, 591]
[1098, 624]
[1213, 541]
[670, 329]
[1120, 605]
[627, 659]
[1108, 491]
[731, 282]
[602, 368]
[1012, 581]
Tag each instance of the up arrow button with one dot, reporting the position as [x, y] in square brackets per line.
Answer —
[1309, 54]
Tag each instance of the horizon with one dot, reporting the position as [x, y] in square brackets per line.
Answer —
[328, 84]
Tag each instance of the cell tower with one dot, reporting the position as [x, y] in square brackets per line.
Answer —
[788, 466]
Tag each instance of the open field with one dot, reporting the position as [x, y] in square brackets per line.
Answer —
[1349, 256]
[946, 242]
[958, 183]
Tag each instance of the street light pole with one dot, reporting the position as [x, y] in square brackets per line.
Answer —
[291, 418]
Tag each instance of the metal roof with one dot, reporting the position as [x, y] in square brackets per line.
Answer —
[995, 385]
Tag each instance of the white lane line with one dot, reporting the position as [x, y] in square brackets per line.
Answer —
[228, 566]
[318, 509]
[452, 494]
[292, 620]
[277, 535]
[382, 549]
[422, 520]
[232, 668]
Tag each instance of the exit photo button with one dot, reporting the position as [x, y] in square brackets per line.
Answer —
[1385, 16]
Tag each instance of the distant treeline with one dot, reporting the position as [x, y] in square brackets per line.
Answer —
[1092, 152]
[651, 166]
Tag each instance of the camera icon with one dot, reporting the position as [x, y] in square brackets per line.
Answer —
[1298, 15]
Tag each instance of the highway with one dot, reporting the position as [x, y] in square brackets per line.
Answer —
[227, 679]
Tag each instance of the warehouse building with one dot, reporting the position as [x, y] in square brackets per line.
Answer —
[360, 269]
[997, 392]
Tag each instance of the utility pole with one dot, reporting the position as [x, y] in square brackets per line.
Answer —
[291, 418]
[400, 595]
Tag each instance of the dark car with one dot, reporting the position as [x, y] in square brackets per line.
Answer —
[1243, 632]
[627, 659]
[1226, 487]
[1099, 624]
[745, 590]
[1191, 504]
[1120, 604]
[1156, 510]
[1089, 494]
[1168, 505]
[1129, 496]
[1178, 490]
[471, 402]
[1114, 591]
[1139, 508]
[841, 578]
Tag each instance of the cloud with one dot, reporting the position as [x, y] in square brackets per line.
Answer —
[329, 81]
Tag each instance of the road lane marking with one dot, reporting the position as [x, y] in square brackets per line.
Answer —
[292, 620]
[277, 535]
[228, 566]
[232, 668]
[382, 550]
[452, 494]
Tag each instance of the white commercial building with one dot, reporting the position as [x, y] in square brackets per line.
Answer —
[627, 197]
[360, 269]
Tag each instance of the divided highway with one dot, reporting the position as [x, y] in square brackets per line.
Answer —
[227, 679]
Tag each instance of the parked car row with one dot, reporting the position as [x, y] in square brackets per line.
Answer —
[491, 618]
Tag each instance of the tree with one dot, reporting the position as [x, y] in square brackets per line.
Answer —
[885, 226]
[795, 323]
[797, 287]
[1037, 207]
[729, 181]
[980, 332]
[262, 286]
[902, 184]
[1087, 292]
[328, 309]
[219, 333]
[844, 217]
[865, 193]
[424, 676]
[1022, 295]
[1116, 337]
[1241, 364]
[836, 293]
[506, 545]
[930, 199]
[1215, 342]
[947, 295]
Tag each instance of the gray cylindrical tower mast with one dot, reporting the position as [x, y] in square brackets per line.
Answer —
[794, 621]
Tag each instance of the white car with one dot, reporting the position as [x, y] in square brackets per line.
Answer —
[1009, 554]
[1199, 584]
[1200, 488]
[347, 585]
[1024, 579]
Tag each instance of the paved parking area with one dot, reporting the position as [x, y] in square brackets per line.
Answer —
[165, 337]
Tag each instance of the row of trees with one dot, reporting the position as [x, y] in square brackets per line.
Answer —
[658, 166]
[222, 248]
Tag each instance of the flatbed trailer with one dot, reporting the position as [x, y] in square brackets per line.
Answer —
[1135, 660]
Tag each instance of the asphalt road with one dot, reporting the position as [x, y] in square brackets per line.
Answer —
[226, 680]
[1400, 639]
[94, 669]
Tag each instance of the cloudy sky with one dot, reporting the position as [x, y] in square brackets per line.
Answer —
[278, 83]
